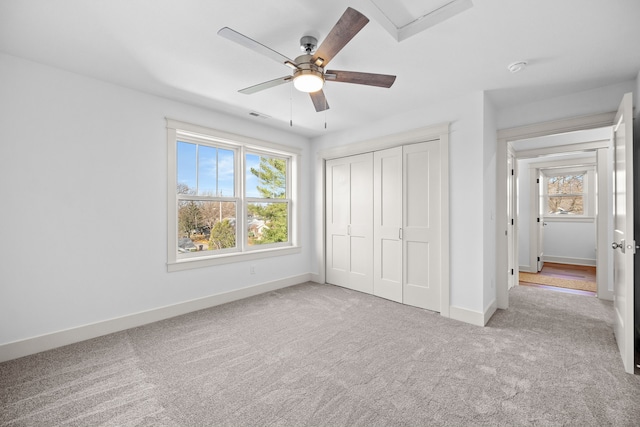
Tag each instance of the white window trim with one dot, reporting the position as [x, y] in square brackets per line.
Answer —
[242, 144]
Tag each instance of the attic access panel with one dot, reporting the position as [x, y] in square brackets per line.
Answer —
[405, 18]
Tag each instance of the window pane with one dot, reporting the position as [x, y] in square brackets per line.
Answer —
[186, 168]
[226, 167]
[267, 223]
[206, 226]
[207, 170]
[266, 177]
[566, 205]
[566, 184]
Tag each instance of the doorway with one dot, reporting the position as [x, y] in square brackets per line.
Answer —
[622, 215]
[510, 227]
[563, 200]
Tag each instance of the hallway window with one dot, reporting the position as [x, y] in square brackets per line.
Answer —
[566, 192]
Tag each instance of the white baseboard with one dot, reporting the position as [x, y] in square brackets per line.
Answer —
[315, 277]
[465, 315]
[526, 269]
[605, 294]
[489, 311]
[473, 317]
[28, 346]
[570, 260]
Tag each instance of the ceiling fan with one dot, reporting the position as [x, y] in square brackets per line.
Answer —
[309, 69]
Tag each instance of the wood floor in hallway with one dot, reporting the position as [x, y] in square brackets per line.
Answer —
[566, 271]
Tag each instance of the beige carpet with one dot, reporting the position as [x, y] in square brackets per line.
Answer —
[581, 285]
[318, 355]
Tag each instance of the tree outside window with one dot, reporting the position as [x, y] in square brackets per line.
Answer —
[565, 194]
[268, 206]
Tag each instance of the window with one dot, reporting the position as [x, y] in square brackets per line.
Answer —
[565, 192]
[230, 197]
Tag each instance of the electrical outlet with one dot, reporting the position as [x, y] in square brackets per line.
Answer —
[252, 269]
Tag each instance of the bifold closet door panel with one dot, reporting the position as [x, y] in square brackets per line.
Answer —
[349, 219]
[387, 224]
[422, 225]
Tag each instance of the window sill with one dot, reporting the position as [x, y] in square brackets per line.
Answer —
[569, 218]
[188, 264]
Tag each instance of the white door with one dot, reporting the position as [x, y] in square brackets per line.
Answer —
[387, 224]
[422, 225]
[349, 216]
[511, 215]
[542, 200]
[624, 244]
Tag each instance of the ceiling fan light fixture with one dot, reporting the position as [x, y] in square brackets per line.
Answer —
[308, 80]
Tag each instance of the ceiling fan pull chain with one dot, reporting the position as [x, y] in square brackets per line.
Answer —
[291, 104]
[325, 112]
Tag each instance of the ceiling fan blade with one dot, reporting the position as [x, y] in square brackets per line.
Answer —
[349, 24]
[245, 41]
[369, 79]
[265, 85]
[319, 100]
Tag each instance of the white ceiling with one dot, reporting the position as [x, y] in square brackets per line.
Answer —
[170, 48]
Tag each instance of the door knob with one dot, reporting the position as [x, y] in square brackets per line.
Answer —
[615, 245]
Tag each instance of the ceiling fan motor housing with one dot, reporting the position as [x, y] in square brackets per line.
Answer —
[308, 44]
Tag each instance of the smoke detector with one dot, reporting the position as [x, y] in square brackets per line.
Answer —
[517, 66]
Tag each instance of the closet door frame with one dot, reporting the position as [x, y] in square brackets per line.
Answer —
[439, 132]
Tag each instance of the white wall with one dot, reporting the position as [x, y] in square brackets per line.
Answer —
[467, 189]
[489, 214]
[600, 100]
[570, 242]
[83, 179]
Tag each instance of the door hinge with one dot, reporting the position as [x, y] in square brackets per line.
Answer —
[511, 221]
[511, 171]
[537, 180]
[538, 259]
[538, 219]
[512, 271]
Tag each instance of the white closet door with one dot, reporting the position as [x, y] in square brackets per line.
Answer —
[349, 216]
[387, 224]
[422, 225]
